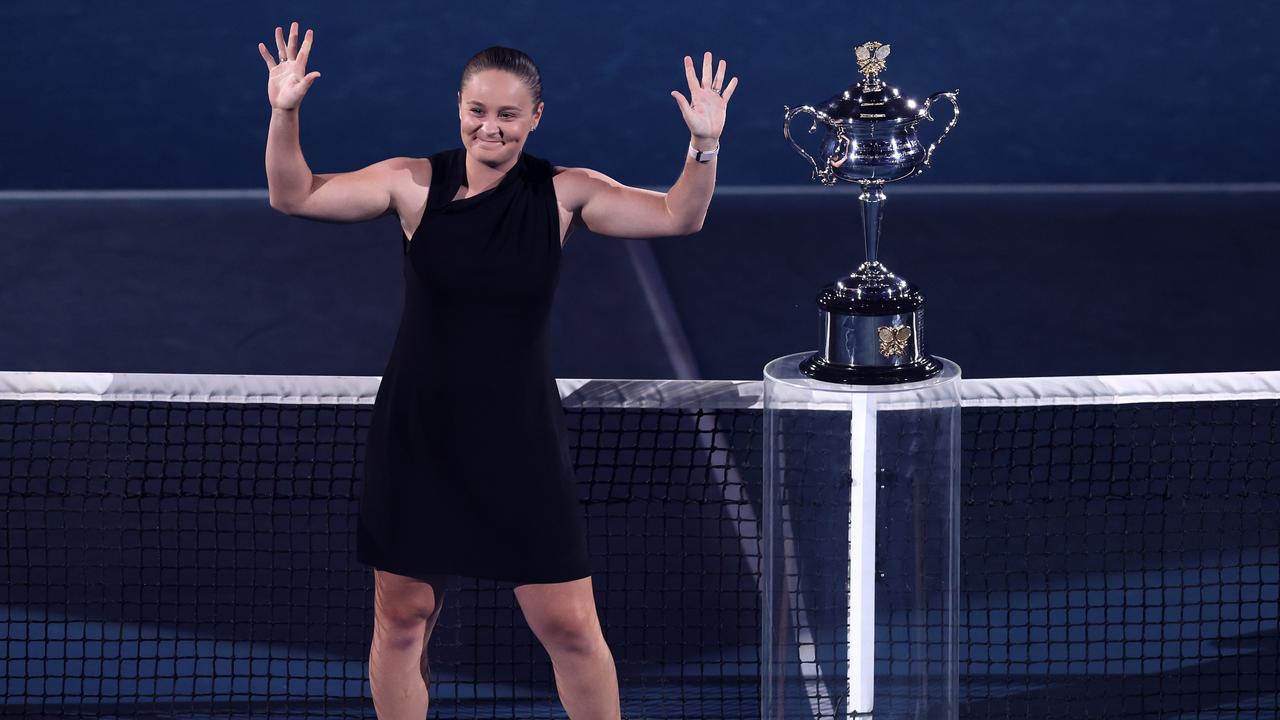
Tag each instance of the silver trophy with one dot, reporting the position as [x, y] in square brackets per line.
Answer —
[872, 318]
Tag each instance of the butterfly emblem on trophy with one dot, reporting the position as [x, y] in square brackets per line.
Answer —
[893, 340]
[871, 57]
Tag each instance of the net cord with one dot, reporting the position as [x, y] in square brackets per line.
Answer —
[621, 393]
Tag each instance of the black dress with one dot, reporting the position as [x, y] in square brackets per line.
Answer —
[467, 469]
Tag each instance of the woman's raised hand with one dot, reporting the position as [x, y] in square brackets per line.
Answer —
[289, 79]
[704, 111]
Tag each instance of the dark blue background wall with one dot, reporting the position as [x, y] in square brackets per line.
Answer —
[172, 94]
[1020, 281]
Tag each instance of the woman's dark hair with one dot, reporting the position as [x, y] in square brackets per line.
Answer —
[510, 60]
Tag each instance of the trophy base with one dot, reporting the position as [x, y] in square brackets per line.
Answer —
[817, 367]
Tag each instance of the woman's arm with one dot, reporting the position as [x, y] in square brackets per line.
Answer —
[292, 188]
[607, 207]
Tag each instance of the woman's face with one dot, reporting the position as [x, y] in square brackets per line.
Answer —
[496, 113]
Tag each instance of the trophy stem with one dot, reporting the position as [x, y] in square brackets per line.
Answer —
[872, 198]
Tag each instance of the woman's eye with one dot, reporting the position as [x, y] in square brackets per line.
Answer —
[507, 115]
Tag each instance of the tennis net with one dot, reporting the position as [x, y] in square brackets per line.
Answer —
[182, 546]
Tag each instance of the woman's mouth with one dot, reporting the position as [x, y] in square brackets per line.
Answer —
[489, 142]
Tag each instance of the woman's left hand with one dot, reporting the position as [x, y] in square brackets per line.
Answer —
[704, 111]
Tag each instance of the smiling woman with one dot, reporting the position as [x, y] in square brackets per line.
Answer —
[499, 75]
[484, 227]
[499, 104]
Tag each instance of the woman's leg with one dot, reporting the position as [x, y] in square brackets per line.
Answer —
[563, 616]
[405, 610]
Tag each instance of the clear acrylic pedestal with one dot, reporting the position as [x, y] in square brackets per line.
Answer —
[861, 547]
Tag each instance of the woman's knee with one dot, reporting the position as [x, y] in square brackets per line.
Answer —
[404, 608]
[570, 630]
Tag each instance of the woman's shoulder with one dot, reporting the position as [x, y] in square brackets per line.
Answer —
[538, 168]
[445, 157]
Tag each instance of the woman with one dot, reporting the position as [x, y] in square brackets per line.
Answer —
[467, 470]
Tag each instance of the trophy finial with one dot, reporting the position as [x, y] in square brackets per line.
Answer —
[871, 56]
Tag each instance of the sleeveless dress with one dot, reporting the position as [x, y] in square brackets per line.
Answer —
[467, 469]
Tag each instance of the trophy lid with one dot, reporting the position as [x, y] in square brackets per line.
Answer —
[871, 100]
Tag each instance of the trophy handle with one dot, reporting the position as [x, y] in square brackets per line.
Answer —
[955, 115]
[824, 174]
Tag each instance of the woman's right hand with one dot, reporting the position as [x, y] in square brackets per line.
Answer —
[289, 79]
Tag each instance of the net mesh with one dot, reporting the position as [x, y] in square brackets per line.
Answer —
[194, 558]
